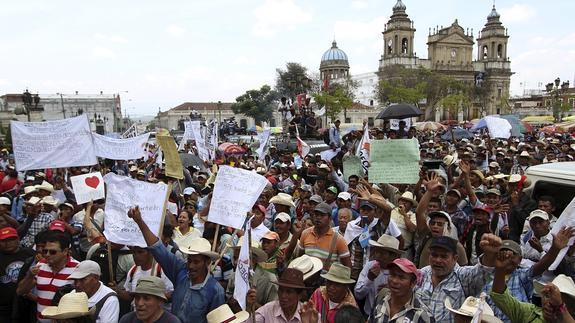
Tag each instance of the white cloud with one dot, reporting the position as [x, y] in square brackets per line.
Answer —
[359, 4]
[103, 52]
[244, 60]
[175, 30]
[110, 38]
[275, 15]
[359, 30]
[517, 13]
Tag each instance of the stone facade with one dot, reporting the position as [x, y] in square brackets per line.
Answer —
[103, 110]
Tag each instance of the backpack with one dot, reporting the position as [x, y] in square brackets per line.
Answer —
[132, 272]
[100, 256]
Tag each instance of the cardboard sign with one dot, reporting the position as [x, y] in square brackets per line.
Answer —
[352, 166]
[120, 149]
[174, 166]
[235, 192]
[88, 187]
[52, 144]
[125, 193]
[394, 161]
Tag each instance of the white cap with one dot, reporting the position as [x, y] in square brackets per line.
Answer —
[85, 268]
[284, 217]
[5, 201]
[538, 214]
[189, 191]
[344, 196]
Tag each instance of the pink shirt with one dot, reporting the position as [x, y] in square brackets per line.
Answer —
[272, 313]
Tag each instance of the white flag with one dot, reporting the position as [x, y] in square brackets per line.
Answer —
[242, 274]
[363, 149]
[302, 147]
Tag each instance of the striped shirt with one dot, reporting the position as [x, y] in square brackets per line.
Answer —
[48, 282]
[319, 247]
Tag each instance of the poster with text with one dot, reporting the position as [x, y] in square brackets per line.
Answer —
[394, 161]
[120, 149]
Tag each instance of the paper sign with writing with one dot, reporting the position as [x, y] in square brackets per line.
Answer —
[52, 144]
[567, 219]
[88, 187]
[174, 166]
[235, 192]
[394, 123]
[120, 149]
[124, 193]
[394, 161]
[352, 166]
[327, 155]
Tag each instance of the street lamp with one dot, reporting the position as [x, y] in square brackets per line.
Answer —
[555, 91]
[29, 101]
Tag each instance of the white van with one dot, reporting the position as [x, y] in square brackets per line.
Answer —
[554, 179]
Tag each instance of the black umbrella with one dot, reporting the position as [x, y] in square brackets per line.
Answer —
[458, 133]
[192, 160]
[399, 111]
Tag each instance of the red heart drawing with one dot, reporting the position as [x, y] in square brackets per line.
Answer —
[93, 181]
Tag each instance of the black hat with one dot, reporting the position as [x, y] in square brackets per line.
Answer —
[444, 242]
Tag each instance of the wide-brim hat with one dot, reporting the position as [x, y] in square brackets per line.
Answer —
[386, 242]
[46, 187]
[224, 313]
[199, 246]
[470, 306]
[72, 305]
[282, 199]
[308, 265]
[564, 283]
[291, 278]
[408, 196]
[448, 160]
[339, 273]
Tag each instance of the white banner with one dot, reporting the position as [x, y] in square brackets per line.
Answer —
[263, 138]
[242, 274]
[394, 123]
[120, 149]
[52, 144]
[566, 219]
[212, 138]
[235, 192]
[88, 187]
[124, 193]
[191, 128]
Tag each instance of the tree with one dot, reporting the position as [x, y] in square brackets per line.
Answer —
[292, 81]
[335, 99]
[257, 104]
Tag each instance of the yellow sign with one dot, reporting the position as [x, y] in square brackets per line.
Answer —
[174, 166]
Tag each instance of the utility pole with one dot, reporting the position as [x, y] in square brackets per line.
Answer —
[62, 102]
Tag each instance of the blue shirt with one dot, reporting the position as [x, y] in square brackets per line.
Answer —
[520, 286]
[190, 303]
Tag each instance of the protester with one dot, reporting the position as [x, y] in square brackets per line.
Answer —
[149, 298]
[72, 308]
[327, 299]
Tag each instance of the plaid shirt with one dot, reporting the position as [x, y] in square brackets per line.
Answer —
[519, 285]
[414, 311]
[462, 282]
[40, 223]
[460, 220]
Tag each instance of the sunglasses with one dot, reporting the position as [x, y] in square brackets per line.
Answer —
[51, 252]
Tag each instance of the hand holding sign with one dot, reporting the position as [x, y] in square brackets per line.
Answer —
[88, 187]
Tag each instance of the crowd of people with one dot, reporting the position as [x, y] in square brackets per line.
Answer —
[468, 242]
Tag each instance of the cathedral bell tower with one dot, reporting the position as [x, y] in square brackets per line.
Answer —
[398, 34]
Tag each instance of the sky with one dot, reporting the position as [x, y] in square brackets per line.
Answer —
[159, 54]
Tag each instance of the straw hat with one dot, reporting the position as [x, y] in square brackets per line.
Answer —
[30, 189]
[71, 305]
[200, 246]
[49, 200]
[46, 187]
[448, 160]
[386, 242]
[339, 273]
[470, 306]
[224, 314]
[282, 199]
[564, 283]
[308, 265]
[408, 196]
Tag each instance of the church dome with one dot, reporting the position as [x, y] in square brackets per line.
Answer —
[493, 14]
[334, 54]
[399, 6]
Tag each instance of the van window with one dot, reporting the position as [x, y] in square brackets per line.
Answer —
[562, 193]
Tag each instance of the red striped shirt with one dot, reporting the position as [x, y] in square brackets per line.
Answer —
[48, 282]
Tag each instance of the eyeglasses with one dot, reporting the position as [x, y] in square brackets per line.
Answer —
[48, 251]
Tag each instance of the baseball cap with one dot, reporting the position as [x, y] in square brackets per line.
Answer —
[483, 208]
[444, 242]
[538, 214]
[511, 245]
[8, 232]
[454, 191]
[271, 235]
[57, 225]
[344, 196]
[306, 188]
[5, 201]
[316, 199]
[323, 208]
[332, 189]
[284, 217]
[151, 285]
[366, 204]
[439, 213]
[189, 191]
[85, 268]
[406, 266]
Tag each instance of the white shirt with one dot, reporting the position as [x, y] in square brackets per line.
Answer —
[184, 240]
[132, 280]
[110, 312]
[368, 289]
[259, 232]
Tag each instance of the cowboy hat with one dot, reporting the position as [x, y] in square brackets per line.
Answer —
[46, 187]
[386, 242]
[282, 199]
[71, 305]
[448, 160]
[224, 313]
[199, 246]
[308, 265]
[408, 196]
[564, 283]
[470, 306]
[291, 278]
[339, 273]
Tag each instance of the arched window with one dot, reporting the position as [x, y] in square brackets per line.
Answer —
[499, 51]
[371, 102]
[389, 46]
[404, 46]
[485, 51]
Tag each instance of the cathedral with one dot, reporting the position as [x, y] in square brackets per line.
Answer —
[449, 53]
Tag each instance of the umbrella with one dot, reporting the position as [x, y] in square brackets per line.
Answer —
[399, 111]
[458, 133]
[231, 149]
[428, 126]
[192, 160]
[517, 125]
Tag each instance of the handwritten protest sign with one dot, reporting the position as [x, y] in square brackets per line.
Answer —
[327, 155]
[235, 192]
[88, 187]
[567, 219]
[174, 166]
[52, 144]
[263, 138]
[120, 149]
[394, 161]
[124, 193]
[352, 166]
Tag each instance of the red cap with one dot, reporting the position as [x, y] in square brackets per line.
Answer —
[57, 225]
[407, 267]
[484, 208]
[260, 207]
[8, 232]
